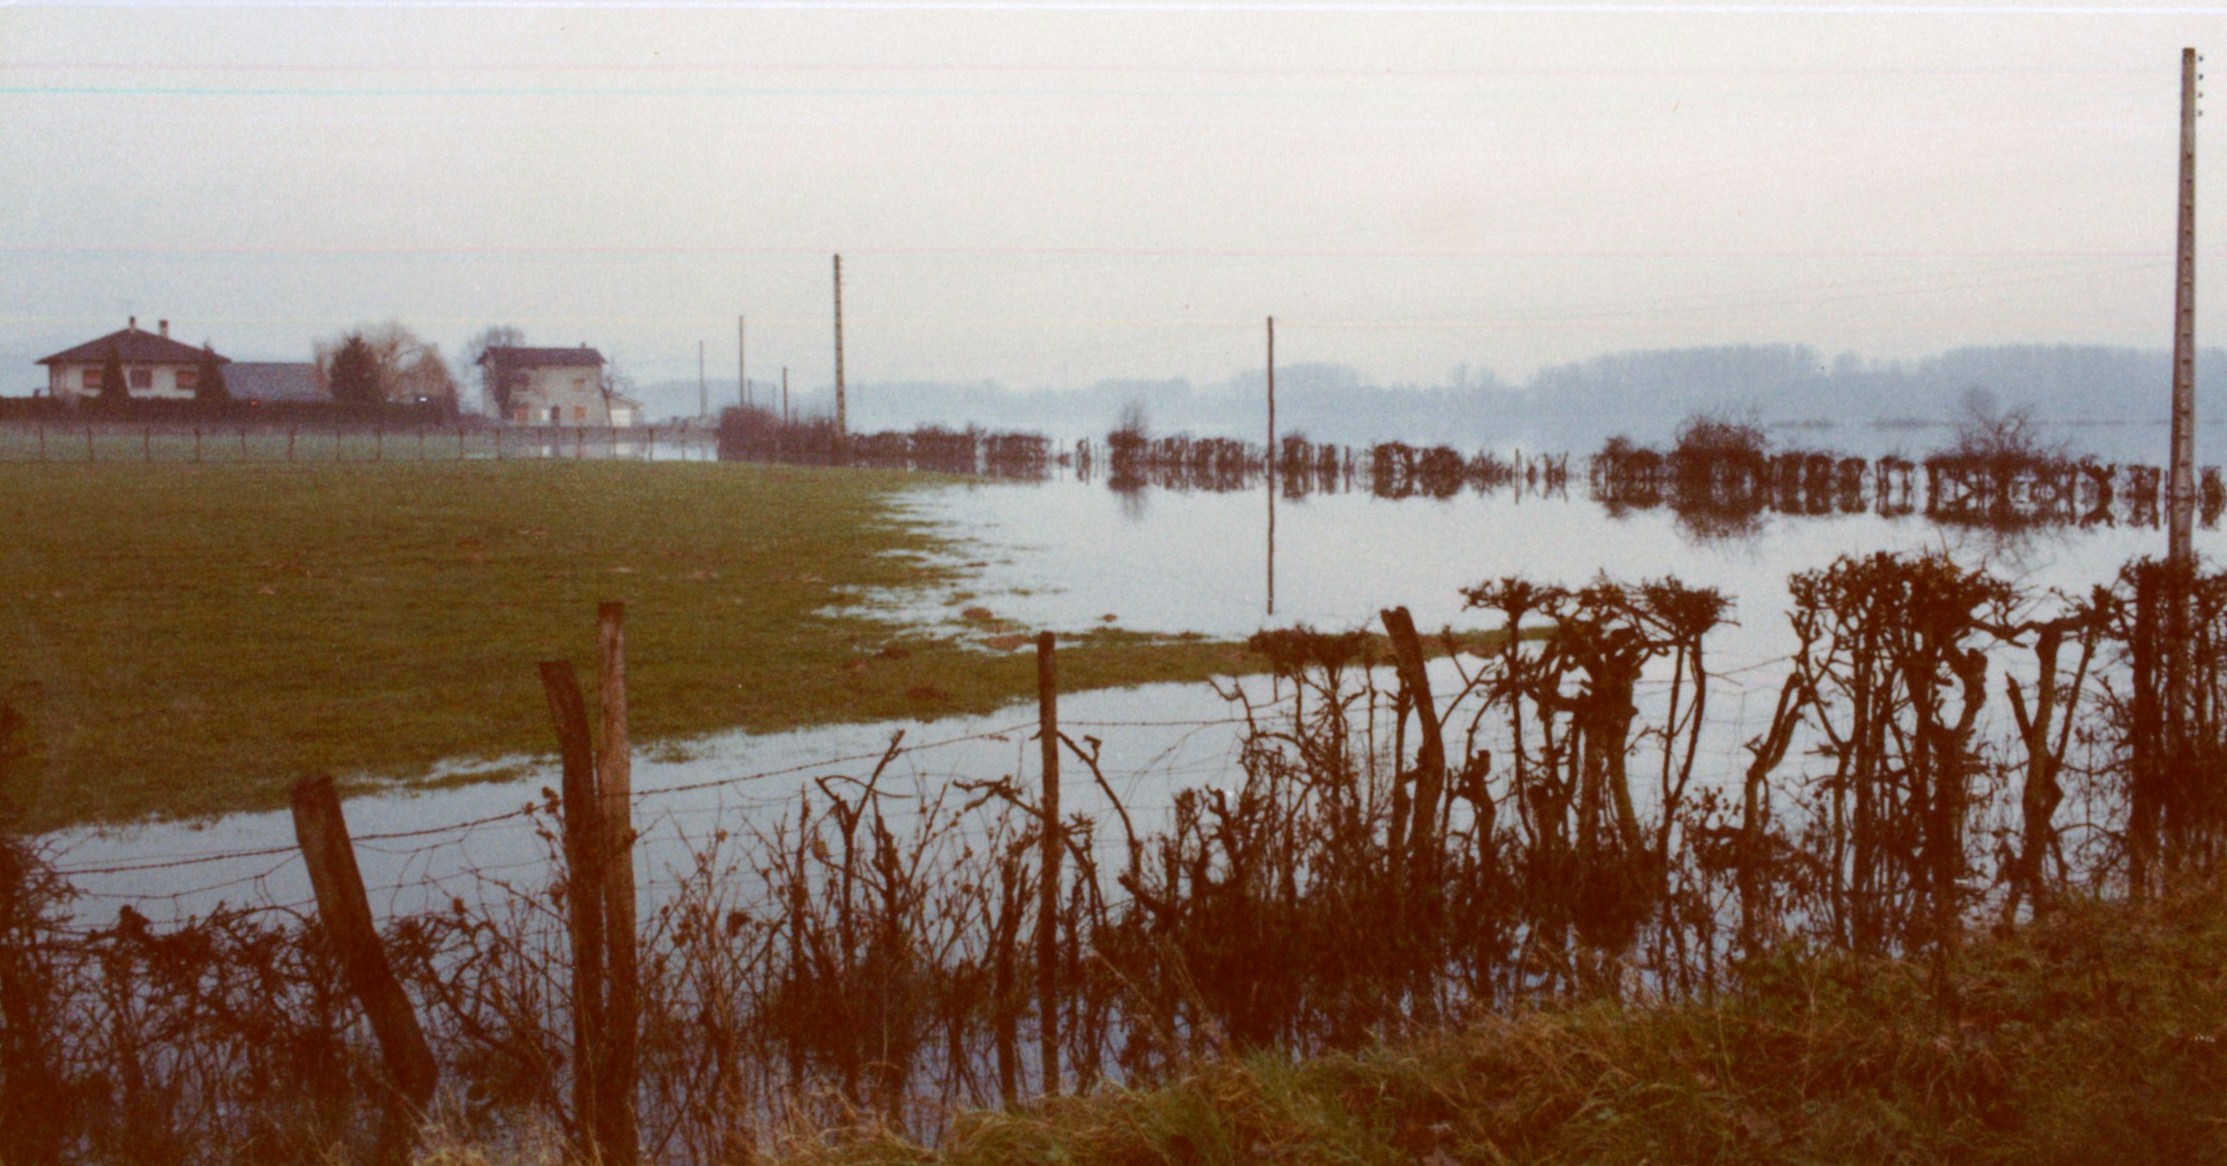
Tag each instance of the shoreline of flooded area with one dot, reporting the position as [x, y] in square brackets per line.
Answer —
[1067, 554]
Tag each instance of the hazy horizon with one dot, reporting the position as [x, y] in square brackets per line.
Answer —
[1048, 197]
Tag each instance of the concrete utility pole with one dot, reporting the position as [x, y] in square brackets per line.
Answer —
[742, 362]
[1271, 465]
[842, 419]
[2180, 495]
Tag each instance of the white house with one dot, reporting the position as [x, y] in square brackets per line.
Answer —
[552, 386]
[155, 366]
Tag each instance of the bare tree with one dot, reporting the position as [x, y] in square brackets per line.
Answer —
[409, 370]
[614, 384]
[494, 388]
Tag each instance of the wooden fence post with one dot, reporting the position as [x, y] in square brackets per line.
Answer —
[583, 884]
[1047, 922]
[1430, 756]
[197, 445]
[291, 430]
[342, 907]
[243, 443]
[378, 443]
[615, 777]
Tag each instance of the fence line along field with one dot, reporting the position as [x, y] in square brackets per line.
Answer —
[97, 440]
[185, 639]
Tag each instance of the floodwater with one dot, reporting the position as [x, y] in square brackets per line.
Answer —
[1066, 555]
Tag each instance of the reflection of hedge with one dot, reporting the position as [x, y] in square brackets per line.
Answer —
[93, 411]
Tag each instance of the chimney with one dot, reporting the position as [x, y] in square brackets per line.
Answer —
[132, 323]
[165, 326]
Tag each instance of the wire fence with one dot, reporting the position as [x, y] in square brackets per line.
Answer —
[170, 443]
[1358, 845]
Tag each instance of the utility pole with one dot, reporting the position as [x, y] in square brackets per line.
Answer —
[784, 392]
[1271, 465]
[842, 420]
[703, 392]
[2180, 495]
[742, 361]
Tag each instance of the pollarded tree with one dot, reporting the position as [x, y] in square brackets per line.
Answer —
[208, 381]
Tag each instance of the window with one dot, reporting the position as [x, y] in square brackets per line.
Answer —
[92, 380]
[579, 412]
[189, 378]
[142, 378]
[522, 414]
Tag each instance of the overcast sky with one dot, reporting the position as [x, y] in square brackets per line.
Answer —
[1050, 194]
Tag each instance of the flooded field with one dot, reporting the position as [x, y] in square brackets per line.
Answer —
[1072, 555]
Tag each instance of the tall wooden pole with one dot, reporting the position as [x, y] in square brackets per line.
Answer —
[784, 392]
[703, 391]
[742, 361]
[842, 419]
[2180, 495]
[1047, 910]
[614, 771]
[1271, 465]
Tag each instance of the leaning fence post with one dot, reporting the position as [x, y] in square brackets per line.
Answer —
[615, 778]
[1047, 921]
[583, 885]
[342, 907]
[1430, 755]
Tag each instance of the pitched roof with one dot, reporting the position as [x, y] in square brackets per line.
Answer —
[272, 380]
[581, 357]
[133, 347]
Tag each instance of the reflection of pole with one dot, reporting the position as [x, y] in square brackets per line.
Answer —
[2180, 496]
[842, 421]
[1271, 465]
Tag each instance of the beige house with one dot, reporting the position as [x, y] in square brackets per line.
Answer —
[155, 366]
[553, 386]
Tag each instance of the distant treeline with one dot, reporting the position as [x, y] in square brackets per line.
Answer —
[754, 434]
[1575, 406]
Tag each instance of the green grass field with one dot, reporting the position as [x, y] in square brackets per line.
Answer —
[189, 639]
[2092, 1036]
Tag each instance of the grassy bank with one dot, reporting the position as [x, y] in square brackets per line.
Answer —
[2097, 1036]
[188, 639]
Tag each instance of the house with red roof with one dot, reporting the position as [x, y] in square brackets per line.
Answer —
[553, 386]
[155, 366]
